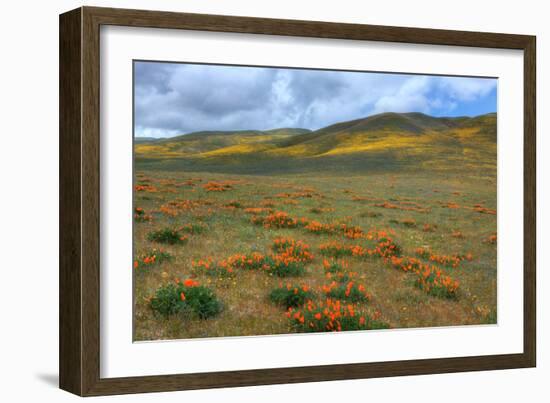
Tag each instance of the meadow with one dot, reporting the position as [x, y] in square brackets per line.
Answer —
[236, 254]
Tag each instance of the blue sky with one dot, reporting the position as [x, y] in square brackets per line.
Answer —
[176, 98]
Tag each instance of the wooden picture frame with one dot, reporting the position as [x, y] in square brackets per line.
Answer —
[79, 200]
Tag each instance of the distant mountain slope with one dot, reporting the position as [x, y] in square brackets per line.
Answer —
[388, 141]
[144, 139]
[197, 143]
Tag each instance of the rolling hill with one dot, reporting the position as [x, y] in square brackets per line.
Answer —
[383, 142]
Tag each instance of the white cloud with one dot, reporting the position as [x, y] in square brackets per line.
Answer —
[410, 97]
[179, 98]
[465, 88]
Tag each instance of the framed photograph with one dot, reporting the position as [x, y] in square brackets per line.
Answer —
[250, 201]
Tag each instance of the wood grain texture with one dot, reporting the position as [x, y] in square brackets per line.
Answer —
[70, 275]
[80, 200]
[530, 202]
[315, 29]
[90, 202]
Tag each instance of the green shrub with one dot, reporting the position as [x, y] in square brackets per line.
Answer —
[341, 277]
[167, 236]
[183, 297]
[152, 258]
[348, 291]
[192, 228]
[434, 282]
[387, 248]
[291, 295]
[282, 266]
[246, 261]
[335, 249]
[331, 316]
[140, 216]
[334, 266]
[213, 269]
[292, 248]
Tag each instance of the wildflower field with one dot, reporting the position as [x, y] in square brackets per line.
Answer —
[219, 254]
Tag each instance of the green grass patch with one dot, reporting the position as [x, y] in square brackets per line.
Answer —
[347, 291]
[168, 236]
[152, 258]
[331, 316]
[291, 295]
[185, 297]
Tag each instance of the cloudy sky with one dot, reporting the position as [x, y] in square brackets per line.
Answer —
[175, 98]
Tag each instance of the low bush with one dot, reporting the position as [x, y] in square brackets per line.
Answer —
[141, 216]
[168, 236]
[152, 258]
[331, 316]
[316, 227]
[445, 260]
[250, 261]
[352, 232]
[406, 263]
[335, 249]
[283, 265]
[289, 259]
[210, 268]
[387, 248]
[334, 266]
[290, 295]
[383, 247]
[279, 219]
[432, 281]
[192, 228]
[186, 297]
[341, 277]
[348, 291]
[290, 247]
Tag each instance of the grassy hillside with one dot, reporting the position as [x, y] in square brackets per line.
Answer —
[384, 142]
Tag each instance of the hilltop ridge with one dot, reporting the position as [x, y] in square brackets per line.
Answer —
[387, 141]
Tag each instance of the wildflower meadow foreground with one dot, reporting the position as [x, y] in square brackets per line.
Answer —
[236, 255]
